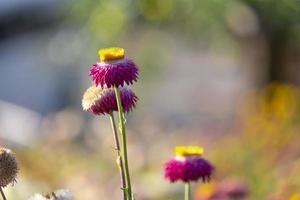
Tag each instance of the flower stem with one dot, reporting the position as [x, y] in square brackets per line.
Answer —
[123, 134]
[2, 194]
[118, 149]
[187, 191]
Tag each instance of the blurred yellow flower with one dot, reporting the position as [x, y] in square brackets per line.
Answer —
[295, 196]
[113, 53]
[272, 113]
[206, 190]
[188, 151]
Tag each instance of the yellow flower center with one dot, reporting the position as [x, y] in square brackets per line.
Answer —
[189, 151]
[110, 54]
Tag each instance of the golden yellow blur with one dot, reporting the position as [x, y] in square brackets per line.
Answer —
[270, 115]
[295, 196]
[189, 151]
[110, 54]
[206, 190]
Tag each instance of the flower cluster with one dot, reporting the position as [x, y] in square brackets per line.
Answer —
[188, 165]
[109, 94]
[113, 70]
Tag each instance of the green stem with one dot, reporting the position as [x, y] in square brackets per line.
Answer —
[118, 149]
[2, 194]
[123, 134]
[187, 191]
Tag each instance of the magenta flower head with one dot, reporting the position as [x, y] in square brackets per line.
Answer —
[101, 101]
[114, 69]
[188, 165]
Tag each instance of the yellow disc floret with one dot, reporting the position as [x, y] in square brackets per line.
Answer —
[189, 151]
[110, 54]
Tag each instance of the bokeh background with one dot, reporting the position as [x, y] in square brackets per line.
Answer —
[220, 74]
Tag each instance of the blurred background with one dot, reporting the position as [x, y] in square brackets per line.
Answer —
[220, 74]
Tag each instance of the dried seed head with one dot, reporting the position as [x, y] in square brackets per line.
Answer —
[8, 167]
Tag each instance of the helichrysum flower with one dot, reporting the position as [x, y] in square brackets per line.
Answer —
[8, 167]
[102, 101]
[57, 195]
[114, 69]
[188, 165]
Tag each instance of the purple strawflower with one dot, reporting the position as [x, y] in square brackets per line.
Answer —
[197, 167]
[114, 69]
[102, 101]
[188, 169]
[188, 165]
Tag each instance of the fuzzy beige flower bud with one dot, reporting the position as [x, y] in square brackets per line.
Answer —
[57, 195]
[8, 167]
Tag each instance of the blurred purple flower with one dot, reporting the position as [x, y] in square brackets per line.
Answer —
[234, 189]
[186, 169]
[101, 101]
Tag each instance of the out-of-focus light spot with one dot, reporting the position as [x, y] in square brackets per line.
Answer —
[65, 47]
[18, 125]
[108, 21]
[156, 10]
[206, 191]
[242, 20]
[280, 101]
